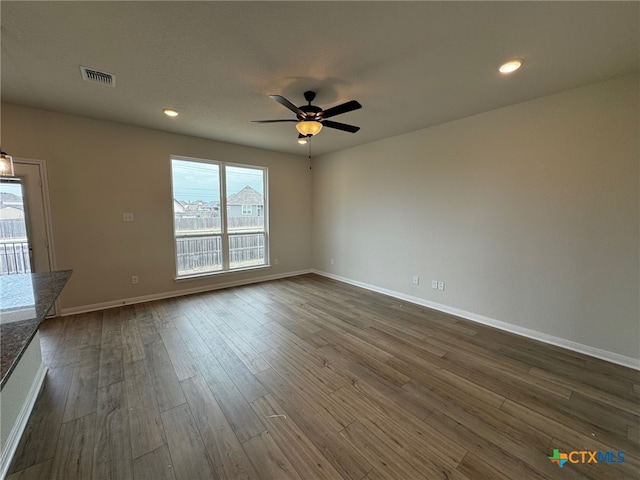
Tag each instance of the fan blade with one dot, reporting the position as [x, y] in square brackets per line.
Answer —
[286, 103]
[338, 109]
[274, 121]
[340, 126]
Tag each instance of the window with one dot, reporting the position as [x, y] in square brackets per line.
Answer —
[216, 229]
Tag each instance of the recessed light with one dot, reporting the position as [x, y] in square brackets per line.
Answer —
[510, 66]
[170, 113]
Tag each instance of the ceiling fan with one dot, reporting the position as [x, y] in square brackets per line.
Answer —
[310, 119]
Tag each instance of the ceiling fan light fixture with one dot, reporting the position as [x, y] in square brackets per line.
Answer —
[6, 165]
[169, 112]
[308, 127]
[302, 139]
[510, 66]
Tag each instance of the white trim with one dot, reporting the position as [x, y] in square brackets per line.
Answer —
[606, 355]
[176, 293]
[15, 435]
[46, 205]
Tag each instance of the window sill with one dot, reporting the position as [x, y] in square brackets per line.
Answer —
[196, 276]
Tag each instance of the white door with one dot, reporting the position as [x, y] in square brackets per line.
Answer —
[31, 177]
[25, 245]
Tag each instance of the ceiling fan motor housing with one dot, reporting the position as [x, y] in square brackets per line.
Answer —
[310, 112]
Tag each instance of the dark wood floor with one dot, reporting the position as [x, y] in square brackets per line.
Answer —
[307, 378]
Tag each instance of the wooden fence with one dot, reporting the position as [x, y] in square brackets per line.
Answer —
[212, 224]
[204, 253]
[13, 228]
[14, 257]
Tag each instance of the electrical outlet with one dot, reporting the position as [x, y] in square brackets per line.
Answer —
[135, 280]
[275, 261]
[127, 217]
[333, 261]
[434, 284]
[441, 286]
[416, 280]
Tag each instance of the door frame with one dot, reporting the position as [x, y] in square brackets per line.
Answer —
[46, 205]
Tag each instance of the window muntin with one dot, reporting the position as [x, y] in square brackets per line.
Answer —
[219, 216]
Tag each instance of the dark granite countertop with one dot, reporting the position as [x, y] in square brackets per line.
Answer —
[24, 302]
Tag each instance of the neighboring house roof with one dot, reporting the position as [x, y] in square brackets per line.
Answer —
[178, 206]
[8, 213]
[6, 197]
[246, 196]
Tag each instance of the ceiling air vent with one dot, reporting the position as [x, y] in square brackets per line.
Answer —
[103, 78]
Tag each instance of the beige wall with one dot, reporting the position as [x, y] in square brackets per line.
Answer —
[98, 170]
[529, 214]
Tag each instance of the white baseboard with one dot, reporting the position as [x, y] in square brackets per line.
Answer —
[175, 293]
[606, 355]
[15, 435]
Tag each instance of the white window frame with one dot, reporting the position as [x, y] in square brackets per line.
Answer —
[224, 212]
[244, 210]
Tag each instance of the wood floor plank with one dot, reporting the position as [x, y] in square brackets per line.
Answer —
[221, 443]
[111, 360]
[181, 359]
[342, 456]
[476, 468]
[464, 410]
[163, 377]
[301, 452]
[67, 351]
[569, 436]
[51, 337]
[39, 471]
[240, 375]
[368, 405]
[378, 453]
[508, 463]
[268, 458]
[596, 394]
[493, 367]
[190, 336]
[334, 415]
[132, 345]
[303, 372]
[73, 459]
[447, 381]
[147, 325]
[112, 450]
[145, 423]
[312, 378]
[253, 360]
[156, 465]
[241, 417]
[190, 459]
[83, 392]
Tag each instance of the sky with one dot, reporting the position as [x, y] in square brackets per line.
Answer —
[200, 181]
[11, 187]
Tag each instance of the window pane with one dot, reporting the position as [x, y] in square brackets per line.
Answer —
[246, 250]
[14, 246]
[245, 196]
[198, 254]
[196, 197]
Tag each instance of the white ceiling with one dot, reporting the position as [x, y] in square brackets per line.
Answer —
[410, 64]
